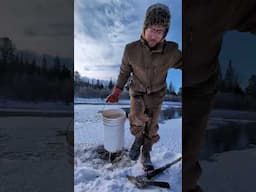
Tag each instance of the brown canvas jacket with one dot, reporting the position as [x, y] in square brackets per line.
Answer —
[148, 68]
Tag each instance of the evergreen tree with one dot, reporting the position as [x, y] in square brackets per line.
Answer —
[77, 77]
[7, 50]
[220, 81]
[7, 56]
[110, 84]
[32, 67]
[236, 87]
[180, 92]
[101, 86]
[87, 83]
[251, 88]
[229, 79]
[44, 65]
[171, 89]
[167, 91]
[56, 72]
[97, 84]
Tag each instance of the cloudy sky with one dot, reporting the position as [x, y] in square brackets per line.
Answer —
[103, 27]
[35, 25]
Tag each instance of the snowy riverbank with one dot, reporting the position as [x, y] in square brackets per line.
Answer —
[96, 175]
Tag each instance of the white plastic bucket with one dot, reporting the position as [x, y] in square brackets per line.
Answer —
[113, 120]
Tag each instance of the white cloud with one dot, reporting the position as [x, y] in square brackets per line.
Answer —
[102, 28]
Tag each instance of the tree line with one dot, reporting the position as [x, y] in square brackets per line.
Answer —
[230, 82]
[231, 95]
[23, 78]
[96, 88]
[96, 84]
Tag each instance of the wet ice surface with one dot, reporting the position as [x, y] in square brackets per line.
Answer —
[229, 152]
[33, 154]
[94, 174]
[228, 136]
[32, 139]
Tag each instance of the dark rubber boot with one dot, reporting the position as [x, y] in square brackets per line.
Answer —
[146, 161]
[135, 148]
[145, 158]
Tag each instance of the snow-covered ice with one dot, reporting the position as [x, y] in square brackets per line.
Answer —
[94, 174]
[229, 171]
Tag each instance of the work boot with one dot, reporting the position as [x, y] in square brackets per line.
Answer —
[145, 157]
[135, 148]
[146, 161]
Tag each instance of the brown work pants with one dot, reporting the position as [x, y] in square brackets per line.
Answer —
[144, 114]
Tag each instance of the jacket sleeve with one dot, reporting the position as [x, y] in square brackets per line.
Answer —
[125, 71]
[177, 59]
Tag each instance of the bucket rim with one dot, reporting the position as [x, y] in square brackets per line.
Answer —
[121, 111]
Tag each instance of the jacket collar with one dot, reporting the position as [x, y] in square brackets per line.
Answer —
[159, 48]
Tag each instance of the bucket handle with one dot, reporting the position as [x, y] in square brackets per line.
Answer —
[101, 111]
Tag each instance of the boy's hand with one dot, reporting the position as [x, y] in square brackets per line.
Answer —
[113, 97]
